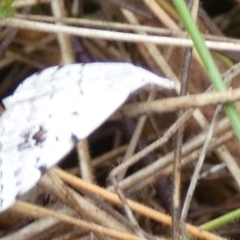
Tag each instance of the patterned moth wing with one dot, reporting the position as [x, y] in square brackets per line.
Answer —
[53, 108]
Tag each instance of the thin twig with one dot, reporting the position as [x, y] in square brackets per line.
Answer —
[111, 35]
[176, 103]
[142, 209]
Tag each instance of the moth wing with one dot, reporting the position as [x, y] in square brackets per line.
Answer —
[42, 139]
[51, 108]
[104, 88]
[48, 81]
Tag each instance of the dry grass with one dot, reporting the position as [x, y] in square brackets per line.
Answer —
[150, 35]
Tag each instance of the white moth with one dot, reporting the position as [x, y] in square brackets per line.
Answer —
[52, 108]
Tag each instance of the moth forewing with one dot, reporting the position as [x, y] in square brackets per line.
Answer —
[53, 108]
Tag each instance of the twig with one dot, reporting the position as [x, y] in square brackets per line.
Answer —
[111, 35]
[176, 103]
[144, 210]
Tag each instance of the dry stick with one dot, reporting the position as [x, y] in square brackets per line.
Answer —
[7, 40]
[177, 103]
[101, 49]
[6, 62]
[152, 55]
[85, 208]
[222, 151]
[169, 9]
[133, 6]
[167, 21]
[85, 161]
[161, 14]
[212, 170]
[30, 48]
[55, 185]
[19, 57]
[38, 212]
[150, 148]
[144, 210]
[104, 24]
[195, 176]
[176, 194]
[98, 161]
[130, 150]
[168, 158]
[67, 55]
[136, 135]
[121, 26]
[198, 168]
[156, 165]
[111, 35]
[187, 159]
[153, 51]
[11, 33]
[39, 227]
[230, 73]
[127, 209]
[214, 29]
[135, 158]
[180, 134]
[164, 172]
[107, 9]
[41, 44]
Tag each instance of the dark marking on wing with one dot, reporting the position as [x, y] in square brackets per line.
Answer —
[18, 183]
[55, 71]
[75, 113]
[39, 72]
[17, 172]
[74, 138]
[39, 136]
[18, 195]
[42, 169]
[25, 143]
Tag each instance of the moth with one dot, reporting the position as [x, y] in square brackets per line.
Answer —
[51, 109]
